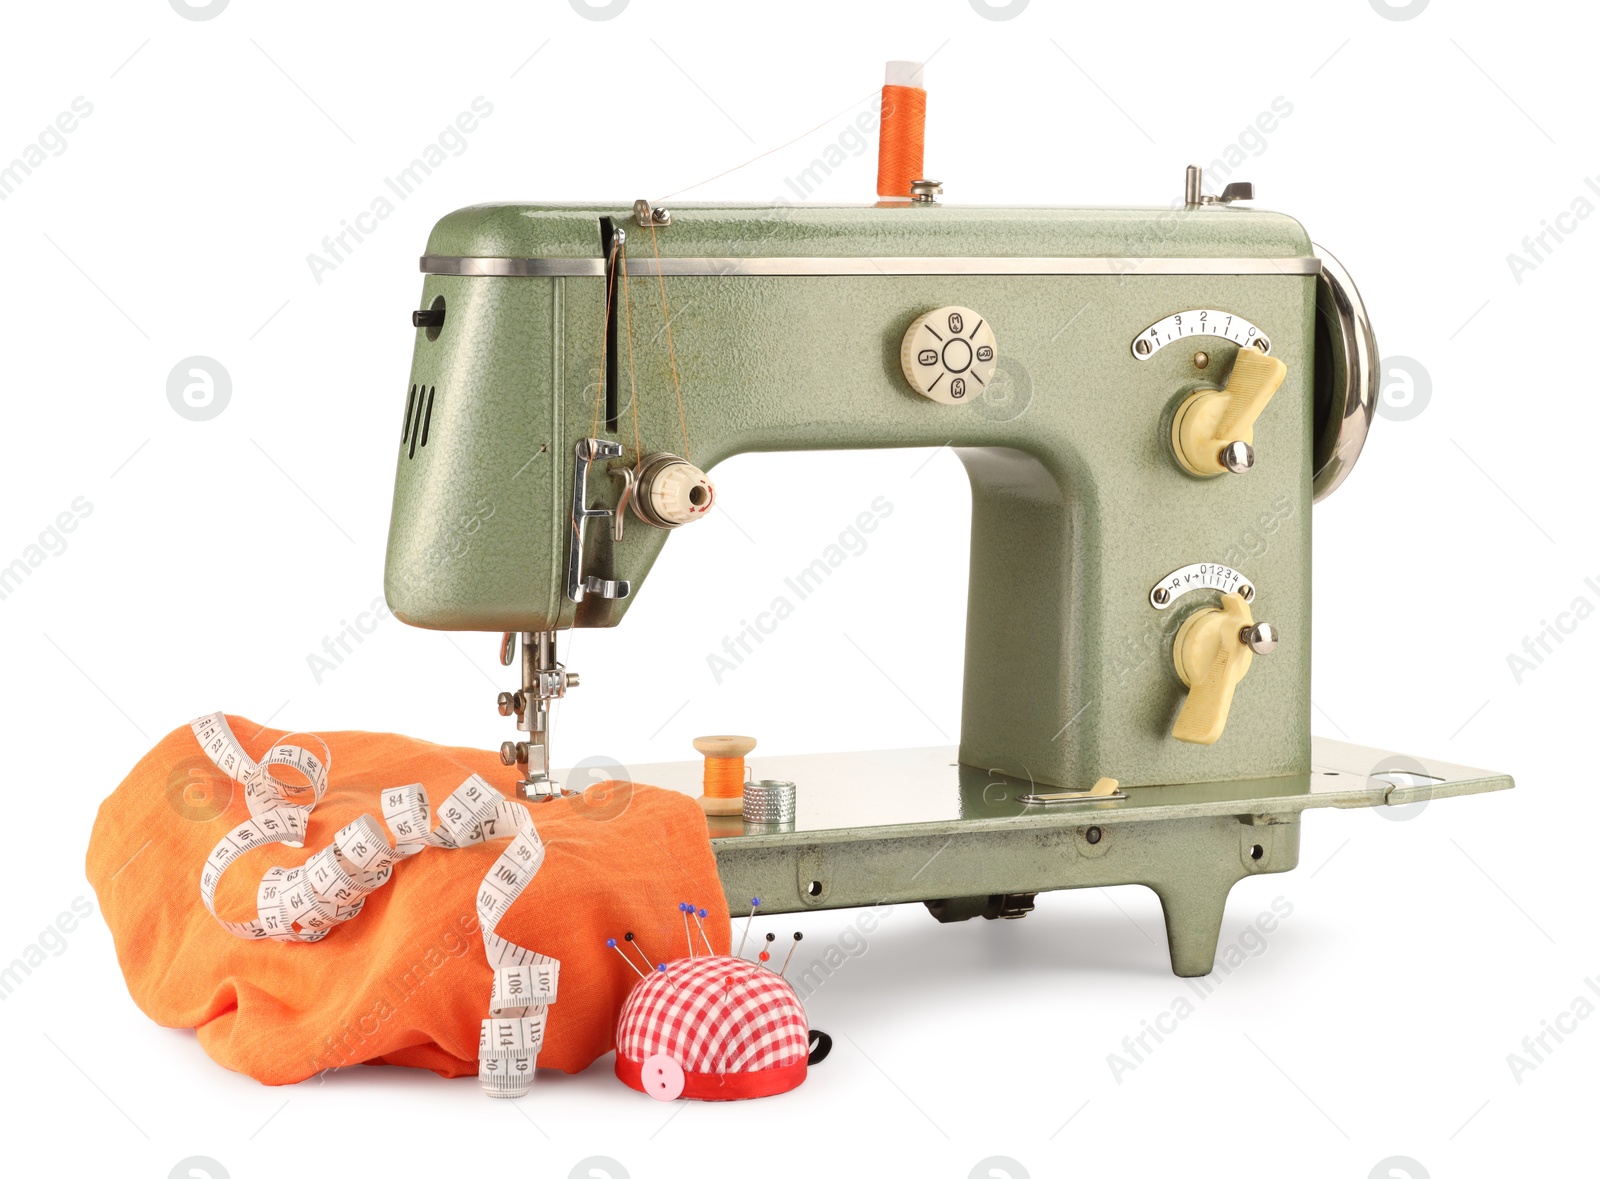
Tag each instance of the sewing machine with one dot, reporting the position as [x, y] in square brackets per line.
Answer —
[1147, 403]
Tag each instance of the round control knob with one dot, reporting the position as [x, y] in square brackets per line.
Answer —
[672, 491]
[949, 355]
[1262, 637]
[1238, 457]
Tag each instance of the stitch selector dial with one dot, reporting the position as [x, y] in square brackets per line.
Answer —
[948, 355]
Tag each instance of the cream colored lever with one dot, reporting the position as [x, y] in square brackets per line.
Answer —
[1211, 653]
[1214, 429]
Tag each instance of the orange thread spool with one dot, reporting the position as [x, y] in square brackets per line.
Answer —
[900, 130]
[723, 781]
[724, 777]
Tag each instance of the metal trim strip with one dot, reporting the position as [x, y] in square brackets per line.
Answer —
[767, 267]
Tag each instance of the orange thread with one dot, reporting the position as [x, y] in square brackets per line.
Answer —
[724, 777]
[672, 357]
[633, 388]
[900, 139]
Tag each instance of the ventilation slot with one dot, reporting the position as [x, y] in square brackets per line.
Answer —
[411, 403]
[419, 416]
[427, 417]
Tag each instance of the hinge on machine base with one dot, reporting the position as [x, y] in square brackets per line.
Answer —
[994, 907]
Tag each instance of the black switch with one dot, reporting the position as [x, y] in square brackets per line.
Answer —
[433, 317]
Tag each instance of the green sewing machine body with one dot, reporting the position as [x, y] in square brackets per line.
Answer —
[1078, 506]
[1092, 545]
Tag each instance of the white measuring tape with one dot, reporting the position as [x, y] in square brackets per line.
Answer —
[303, 904]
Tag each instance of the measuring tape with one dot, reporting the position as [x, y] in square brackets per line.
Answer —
[303, 904]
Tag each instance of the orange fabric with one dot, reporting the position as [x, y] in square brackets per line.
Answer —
[900, 130]
[405, 982]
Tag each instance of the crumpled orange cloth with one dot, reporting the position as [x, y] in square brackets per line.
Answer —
[406, 981]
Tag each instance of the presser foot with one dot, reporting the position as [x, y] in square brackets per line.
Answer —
[542, 790]
[544, 682]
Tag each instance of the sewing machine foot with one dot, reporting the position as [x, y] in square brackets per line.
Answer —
[1193, 911]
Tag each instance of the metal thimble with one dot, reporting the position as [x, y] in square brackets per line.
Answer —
[768, 803]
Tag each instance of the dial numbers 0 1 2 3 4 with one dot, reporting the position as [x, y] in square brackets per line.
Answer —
[1199, 321]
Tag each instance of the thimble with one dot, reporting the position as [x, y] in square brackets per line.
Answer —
[769, 803]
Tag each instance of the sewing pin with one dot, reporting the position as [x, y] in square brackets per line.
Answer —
[790, 954]
[628, 937]
[612, 943]
[685, 908]
[764, 955]
[755, 903]
[699, 919]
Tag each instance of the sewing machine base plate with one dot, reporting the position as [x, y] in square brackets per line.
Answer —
[892, 826]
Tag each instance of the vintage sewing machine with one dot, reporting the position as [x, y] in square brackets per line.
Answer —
[1135, 394]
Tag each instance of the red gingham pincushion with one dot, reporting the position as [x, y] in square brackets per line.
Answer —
[729, 1027]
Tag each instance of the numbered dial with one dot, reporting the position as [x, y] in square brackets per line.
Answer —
[1199, 321]
[949, 355]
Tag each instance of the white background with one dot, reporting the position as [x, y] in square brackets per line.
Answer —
[177, 221]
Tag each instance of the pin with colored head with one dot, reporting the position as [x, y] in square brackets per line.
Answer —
[661, 968]
[765, 955]
[755, 903]
[611, 943]
[700, 916]
[790, 954]
[629, 938]
[685, 908]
